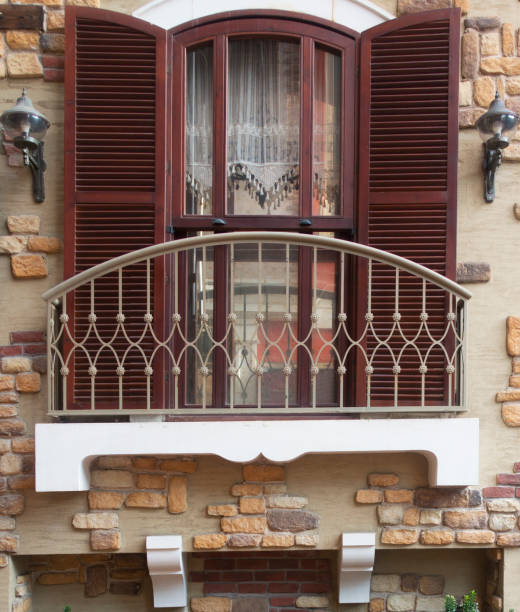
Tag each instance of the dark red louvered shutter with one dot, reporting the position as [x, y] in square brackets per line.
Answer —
[407, 186]
[114, 187]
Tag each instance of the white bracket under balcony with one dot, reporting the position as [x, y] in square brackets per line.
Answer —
[166, 569]
[356, 562]
[64, 451]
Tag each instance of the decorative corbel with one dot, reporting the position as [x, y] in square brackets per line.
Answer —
[356, 562]
[166, 569]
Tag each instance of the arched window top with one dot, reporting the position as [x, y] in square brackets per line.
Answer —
[358, 15]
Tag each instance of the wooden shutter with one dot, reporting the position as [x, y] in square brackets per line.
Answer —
[114, 183]
[408, 173]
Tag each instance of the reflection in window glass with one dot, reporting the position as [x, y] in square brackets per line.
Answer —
[263, 133]
[199, 130]
[326, 144]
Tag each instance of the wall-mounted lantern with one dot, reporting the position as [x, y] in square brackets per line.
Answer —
[27, 127]
[495, 127]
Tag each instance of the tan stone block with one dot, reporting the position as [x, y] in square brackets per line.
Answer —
[376, 605]
[10, 464]
[13, 365]
[9, 543]
[278, 540]
[254, 472]
[12, 244]
[484, 91]
[475, 536]
[22, 482]
[209, 541]
[104, 500]
[312, 601]
[369, 496]
[514, 381]
[58, 578]
[145, 463]
[470, 54]
[150, 481]
[110, 462]
[501, 86]
[44, 2]
[508, 396]
[91, 3]
[286, 501]
[382, 480]
[489, 44]
[244, 524]
[463, 5]
[508, 39]
[511, 415]
[431, 585]
[22, 605]
[23, 224]
[11, 505]
[430, 604]
[178, 465]
[8, 397]
[223, 510]
[389, 514]
[513, 328]
[501, 521]
[508, 539]
[243, 540]
[468, 117]
[55, 21]
[5, 446]
[12, 427]
[95, 520]
[28, 266]
[24, 65]
[28, 382]
[112, 479]
[501, 65]
[177, 495]
[4, 560]
[273, 489]
[399, 536]
[431, 517]
[145, 500]
[503, 505]
[252, 505]
[8, 411]
[7, 523]
[246, 489]
[405, 7]
[44, 244]
[101, 539]
[385, 583]
[411, 517]
[465, 519]
[400, 602]
[307, 539]
[465, 93]
[23, 40]
[437, 537]
[210, 604]
[399, 496]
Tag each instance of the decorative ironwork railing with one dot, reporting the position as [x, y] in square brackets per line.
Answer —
[256, 322]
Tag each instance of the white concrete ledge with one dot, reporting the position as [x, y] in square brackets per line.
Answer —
[64, 451]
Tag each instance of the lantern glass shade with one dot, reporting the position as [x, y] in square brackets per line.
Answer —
[23, 120]
[498, 121]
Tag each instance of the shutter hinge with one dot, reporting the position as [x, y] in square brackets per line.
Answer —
[170, 230]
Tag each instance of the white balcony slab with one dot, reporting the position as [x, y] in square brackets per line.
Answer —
[64, 451]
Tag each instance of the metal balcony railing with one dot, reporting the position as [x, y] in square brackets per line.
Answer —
[256, 322]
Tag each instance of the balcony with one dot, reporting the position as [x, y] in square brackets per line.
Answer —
[256, 323]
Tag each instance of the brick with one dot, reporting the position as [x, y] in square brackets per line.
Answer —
[125, 588]
[241, 540]
[369, 496]
[489, 44]
[111, 479]
[102, 539]
[10, 351]
[210, 604]
[475, 536]
[39, 364]
[23, 224]
[470, 54]
[502, 521]
[252, 505]
[11, 427]
[431, 585]
[399, 536]
[382, 480]
[14, 365]
[385, 583]
[292, 520]
[145, 500]
[389, 514]
[437, 537]
[263, 473]
[52, 43]
[255, 524]
[58, 578]
[109, 462]
[23, 65]
[316, 601]
[53, 61]
[494, 492]
[223, 510]
[508, 39]
[105, 500]
[210, 541]
[54, 75]
[150, 481]
[55, 21]
[95, 520]
[440, 497]
[23, 40]
[128, 574]
[12, 244]
[514, 381]
[28, 382]
[246, 489]
[399, 496]
[286, 501]
[403, 602]
[409, 583]
[145, 463]
[307, 539]
[505, 540]
[278, 540]
[10, 464]
[131, 560]
[177, 495]
[508, 479]
[470, 519]
[96, 581]
[177, 465]
[28, 266]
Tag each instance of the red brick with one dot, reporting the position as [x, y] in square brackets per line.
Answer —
[258, 564]
[302, 576]
[283, 563]
[10, 351]
[270, 575]
[252, 587]
[18, 337]
[54, 74]
[315, 587]
[53, 61]
[281, 601]
[237, 576]
[219, 587]
[492, 492]
[322, 564]
[283, 587]
[219, 564]
[508, 479]
[35, 349]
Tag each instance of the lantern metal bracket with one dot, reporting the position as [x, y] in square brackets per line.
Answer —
[32, 151]
[492, 160]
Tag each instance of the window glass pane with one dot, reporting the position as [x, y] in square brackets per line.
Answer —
[263, 133]
[326, 144]
[199, 130]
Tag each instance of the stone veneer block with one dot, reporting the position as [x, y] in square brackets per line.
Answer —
[6, 383]
[24, 65]
[440, 497]
[28, 382]
[278, 540]
[240, 489]
[263, 473]
[469, 519]
[178, 465]
[470, 54]
[437, 537]
[465, 96]
[12, 505]
[243, 540]
[503, 505]
[252, 505]
[431, 585]
[95, 520]
[243, 524]
[409, 583]
[508, 39]
[430, 604]
[475, 536]
[385, 583]
[411, 517]
[209, 542]
[405, 7]
[286, 501]
[96, 581]
[275, 489]
[8, 411]
[20, 40]
[312, 601]
[55, 21]
[58, 578]
[177, 495]
[399, 536]
[145, 463]
[369, 496]
[13, 365]
[474, 272]
[12, 244]
[105, 500]
[505, 540]
[210, 604]
[513, 336]
[292, 520]
[102, 539]
[28, 266]
[110, 462]
[150, 481]
[502, 522]
[376, 605]
[8, 397]
[382, 480]
[501, 65]
[112, 479]
[10, 464]
[9, 543]
[402, 602]
[307, 539]
[250, 604]
[489, 44]
[12, 427]
[145, 500]
[399, 496]
[23, 224]
[223, 510]
[23, 445]
[389, 514]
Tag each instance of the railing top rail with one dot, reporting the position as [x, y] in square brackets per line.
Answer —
[310, 240]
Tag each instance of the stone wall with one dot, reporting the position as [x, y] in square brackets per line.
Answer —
[510, 398]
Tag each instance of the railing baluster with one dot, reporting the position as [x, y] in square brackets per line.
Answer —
[231, 338]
